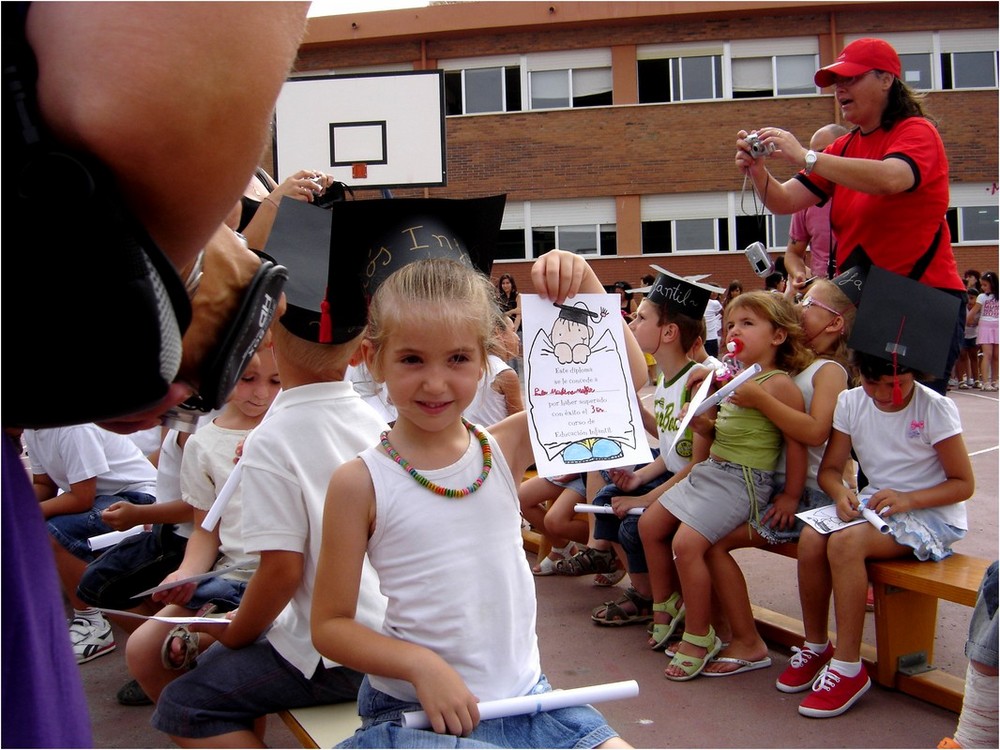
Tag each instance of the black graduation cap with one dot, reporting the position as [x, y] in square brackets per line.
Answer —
[337, 257]
[904, 322]
[577, 313]
[851, 282]
[680, 295]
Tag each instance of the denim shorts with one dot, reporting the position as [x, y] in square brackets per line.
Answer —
[982, 644]
[578, 484]
[811, 498]
[224, 593]
[74, 529]
[578, 727]
[625, 531]
[230, 688]
[133, 565]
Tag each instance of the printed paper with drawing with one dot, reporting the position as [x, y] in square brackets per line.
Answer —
[583, 411]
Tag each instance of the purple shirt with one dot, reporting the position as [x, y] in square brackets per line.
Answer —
[43, 700]
[812, 226]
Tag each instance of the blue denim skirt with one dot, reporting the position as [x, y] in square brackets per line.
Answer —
[381, 714]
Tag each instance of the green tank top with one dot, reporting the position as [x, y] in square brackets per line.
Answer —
[745, 436]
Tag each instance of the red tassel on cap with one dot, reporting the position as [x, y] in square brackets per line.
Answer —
[325, 323]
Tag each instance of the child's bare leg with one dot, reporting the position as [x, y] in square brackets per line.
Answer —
[689, 549]
[815, 585]
[656, 529]
[847, 551]
[615, 742]
[561, 521]
[731, 591]
[142, 652]
[532, 494]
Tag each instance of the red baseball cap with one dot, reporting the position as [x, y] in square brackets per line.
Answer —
[859, 57]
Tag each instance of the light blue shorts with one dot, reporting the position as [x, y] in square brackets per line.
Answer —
[929, 536]
[579, 727]
[982, 643]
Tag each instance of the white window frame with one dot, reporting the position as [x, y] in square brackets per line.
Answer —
[462, 64]
[973, 195]
[670, 52]
[772, 49]
[568, 61]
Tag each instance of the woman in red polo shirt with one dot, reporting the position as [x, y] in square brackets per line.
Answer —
[887, 178]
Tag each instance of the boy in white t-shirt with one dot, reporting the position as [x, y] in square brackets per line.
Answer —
[316, 423]
[77, 473]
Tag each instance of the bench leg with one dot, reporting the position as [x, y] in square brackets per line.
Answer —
[905, 623]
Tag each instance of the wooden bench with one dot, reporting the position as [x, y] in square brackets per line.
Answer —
[322, 726]
[906, 603]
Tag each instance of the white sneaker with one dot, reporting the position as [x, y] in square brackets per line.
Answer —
[952, 382]
[91, 640]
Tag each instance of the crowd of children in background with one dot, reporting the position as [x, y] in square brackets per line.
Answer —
[441, 350]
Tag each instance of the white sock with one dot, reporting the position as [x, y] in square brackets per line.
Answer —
[90, 614]
[846, 668]
[817, 648]
[977, 724]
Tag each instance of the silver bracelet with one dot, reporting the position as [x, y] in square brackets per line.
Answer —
[193, 280]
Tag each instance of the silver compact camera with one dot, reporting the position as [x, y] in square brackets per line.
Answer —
[760, 261]
[757, 147]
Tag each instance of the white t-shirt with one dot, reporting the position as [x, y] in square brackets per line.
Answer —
[206, 464]
[376, 395]
[896, 449]
[668, 399]
[713, 319]
[488, 406]
[79, 452]
[309, 431]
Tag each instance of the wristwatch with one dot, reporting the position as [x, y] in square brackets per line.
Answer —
[811, 157]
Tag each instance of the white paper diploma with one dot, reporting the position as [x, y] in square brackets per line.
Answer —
[719, 395]
[530, 704]
[583, 411]
[182, 581]
[588, 508]
[869, 515]
[111, 538]
[192, 620]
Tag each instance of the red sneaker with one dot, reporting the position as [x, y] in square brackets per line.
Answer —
[801, 671]
[833, 693]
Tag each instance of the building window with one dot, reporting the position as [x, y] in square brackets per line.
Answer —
[510, 245]
[677, 79]
[974, 224]
[481, 90]
[916, 70]
[780, 75]
[582, 239]
[656, 237]
[583, 87]
[969, 70]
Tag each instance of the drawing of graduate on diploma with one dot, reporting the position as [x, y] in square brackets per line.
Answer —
[582, 406]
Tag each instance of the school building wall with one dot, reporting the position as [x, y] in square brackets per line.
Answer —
[628, 150]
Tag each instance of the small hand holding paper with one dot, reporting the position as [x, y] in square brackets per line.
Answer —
[847, 506]
[178, 594]
[749, 395]
[624, 503]
[888, 501]
[120, 516]
[217, 630]
[446, 699]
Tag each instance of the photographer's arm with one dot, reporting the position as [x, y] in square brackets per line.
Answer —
[150, 89]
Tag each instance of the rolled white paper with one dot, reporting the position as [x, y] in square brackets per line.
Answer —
[111, 538]
[530, 704]
[725, 390]
[875, 520]
[222, 499]
[588, 508]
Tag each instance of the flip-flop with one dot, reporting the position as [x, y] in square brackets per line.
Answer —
[744, 665]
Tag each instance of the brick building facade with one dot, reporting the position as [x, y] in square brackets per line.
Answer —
[640, 166]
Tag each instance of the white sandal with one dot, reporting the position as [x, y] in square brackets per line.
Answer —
[547, 566]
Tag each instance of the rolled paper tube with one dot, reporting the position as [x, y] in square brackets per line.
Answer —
[875, 520]
[531, 704]
[222, 499]
[732, 385]
[111, 538]
[588, 508]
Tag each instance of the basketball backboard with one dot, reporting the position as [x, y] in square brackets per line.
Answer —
[378, 130]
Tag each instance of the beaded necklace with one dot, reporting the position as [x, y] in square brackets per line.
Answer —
[437, 489]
